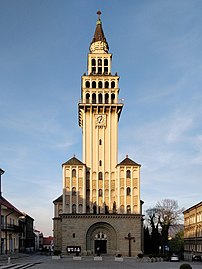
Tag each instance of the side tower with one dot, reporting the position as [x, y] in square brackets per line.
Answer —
[99, 112]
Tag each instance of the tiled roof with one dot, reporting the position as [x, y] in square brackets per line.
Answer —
[73, 161]
[8, 205]
[59, 199]
[128, 161]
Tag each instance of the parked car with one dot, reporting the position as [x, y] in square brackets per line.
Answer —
[196, 258]
[174, 258]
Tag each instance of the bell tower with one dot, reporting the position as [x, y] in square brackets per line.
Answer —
[99, 112]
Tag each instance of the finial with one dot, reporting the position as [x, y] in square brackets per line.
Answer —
[127, 156]
[99, 13]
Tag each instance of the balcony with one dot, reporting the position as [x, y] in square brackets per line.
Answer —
[11, 228]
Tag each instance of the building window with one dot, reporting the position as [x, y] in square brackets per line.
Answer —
[100, 163]
[112, 98]
[100, 192]
[73, 235]
[87, 98]
[94, 98]
[128, 209]
[100, 98]
[93, 63]
[100, 142]
[128, 191]
[128, 174]
[73, 191]
[94, 84]
[122, 209]
[106, 66]
[74, 209]
[100, 176]
[100, 84]
[87, 84]
[113, 84]
[74, 173]
[106, 98]
[106, 84]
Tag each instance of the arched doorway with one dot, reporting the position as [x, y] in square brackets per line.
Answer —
[101, 238]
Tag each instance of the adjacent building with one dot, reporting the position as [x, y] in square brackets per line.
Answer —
[100, 208]
[193, 231]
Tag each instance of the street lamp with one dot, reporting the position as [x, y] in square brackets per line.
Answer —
[1, 173]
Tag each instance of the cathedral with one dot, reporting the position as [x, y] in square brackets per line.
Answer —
[100, 210]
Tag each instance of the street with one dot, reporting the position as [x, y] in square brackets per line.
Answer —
[46, 262]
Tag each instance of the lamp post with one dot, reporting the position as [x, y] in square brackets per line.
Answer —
[1, 173]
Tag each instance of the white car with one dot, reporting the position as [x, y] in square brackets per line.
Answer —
[174, 258]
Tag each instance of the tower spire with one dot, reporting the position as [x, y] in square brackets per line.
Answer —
[99, 34]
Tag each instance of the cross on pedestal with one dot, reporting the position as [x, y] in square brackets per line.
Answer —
[129, 238]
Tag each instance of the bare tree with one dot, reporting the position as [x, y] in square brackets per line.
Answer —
[168, 214]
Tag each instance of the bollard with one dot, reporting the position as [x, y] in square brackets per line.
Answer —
[9, 260]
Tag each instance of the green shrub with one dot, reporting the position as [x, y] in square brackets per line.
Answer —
[185, 266]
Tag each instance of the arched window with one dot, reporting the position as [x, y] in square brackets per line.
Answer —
[100, 163]
[100, 176]
[100, 142]
[106, 98]
[99, 66]
[112, 98]
[87, 84]
[106, 66]
[93, 63]
[100, 84]
[128, 209]
[128, 174]
[87, 98]
[128, 191]
[94, 84]
[106, 84]
[113, 84]
[73, 209]
[73, 172]
[73, 191]
[100, 192]
[100, 98]
[94, 98]
[94, 209]
[80, 208]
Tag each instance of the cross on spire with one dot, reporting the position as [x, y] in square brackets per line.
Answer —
[99, 13]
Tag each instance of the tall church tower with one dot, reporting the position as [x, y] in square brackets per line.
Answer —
[99, 112]
[100, 206]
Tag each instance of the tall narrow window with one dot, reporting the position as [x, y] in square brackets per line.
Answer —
[113, 98]
[128, 174]
[128, 191]
[73, 209]
[106, 98]
[73, 191]
[113, 84]
[106, 66]
[100, 193]
[128, 209]
[100, 84]
[100, 176]
[99, 66]
[100, 141]
[87, 98]
[74, 173]
[100, 98]
[93, 63]
[94, 84]
[94, 98]
[87, 84]
[100, 163]
[106, 84]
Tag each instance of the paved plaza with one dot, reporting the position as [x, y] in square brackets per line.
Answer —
[108, 262]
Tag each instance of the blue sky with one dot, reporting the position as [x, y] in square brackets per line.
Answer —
[156, 47]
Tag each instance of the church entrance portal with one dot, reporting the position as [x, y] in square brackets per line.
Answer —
[100, 246]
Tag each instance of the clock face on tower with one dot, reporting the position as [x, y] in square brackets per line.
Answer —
[100, 120]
